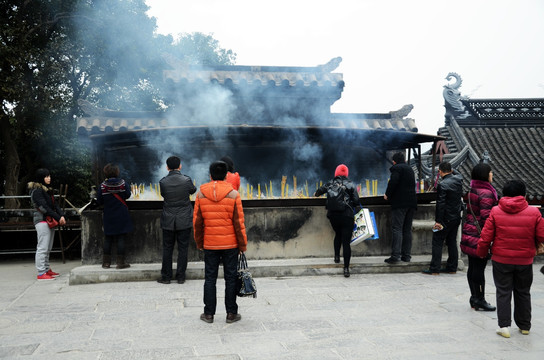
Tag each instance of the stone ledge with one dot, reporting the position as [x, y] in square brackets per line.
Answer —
[92, 274]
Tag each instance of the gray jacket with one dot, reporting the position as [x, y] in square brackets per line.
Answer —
[177, 211]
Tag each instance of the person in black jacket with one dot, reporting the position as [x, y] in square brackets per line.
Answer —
[176, 219]
[43, 201]
[447, 220]
[116, 218]
[401, 193]
[341, 215]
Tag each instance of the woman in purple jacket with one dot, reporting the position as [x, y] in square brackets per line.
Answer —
[481, 198]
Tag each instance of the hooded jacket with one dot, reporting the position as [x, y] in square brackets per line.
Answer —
[43, 202]
[218, 218]
[448, 200]
[512, 230]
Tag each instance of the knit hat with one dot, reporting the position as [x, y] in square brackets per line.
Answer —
[341, 170]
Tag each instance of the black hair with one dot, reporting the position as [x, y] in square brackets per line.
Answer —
[230, 164]
[481, 172]
[111, 171]
[514, 188]
[41, 174]
[444, 167]
[399, 157]
[218, 170]
[173, 162]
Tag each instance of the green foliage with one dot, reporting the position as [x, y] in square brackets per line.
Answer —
[53, 53]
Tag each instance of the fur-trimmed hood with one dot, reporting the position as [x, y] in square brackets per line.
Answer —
[36, 185]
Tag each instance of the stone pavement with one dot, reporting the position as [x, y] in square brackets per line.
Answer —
[366, 316]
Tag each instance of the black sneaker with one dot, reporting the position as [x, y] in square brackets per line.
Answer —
[542, 269]
[163, 281]
[392, 260]
[405, 259]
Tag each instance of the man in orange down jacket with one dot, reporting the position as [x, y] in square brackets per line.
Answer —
[218, 223]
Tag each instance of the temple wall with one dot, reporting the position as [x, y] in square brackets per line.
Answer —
[273, 233]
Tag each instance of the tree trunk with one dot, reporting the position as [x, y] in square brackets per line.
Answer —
[13, 163]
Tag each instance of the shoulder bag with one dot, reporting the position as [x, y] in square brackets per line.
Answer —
[245, 285]
[476, 223]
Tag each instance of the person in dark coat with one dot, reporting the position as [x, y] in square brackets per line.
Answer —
[43, 201]
[176, 219]
[342, 221]
[447, 220]
[116, 218]
[481, 198]
[401, 194]
[512, 231]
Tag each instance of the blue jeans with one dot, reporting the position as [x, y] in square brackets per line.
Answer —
[212, 259]
[117, 239]
[401, 243]
[169, 238]
[449, 235]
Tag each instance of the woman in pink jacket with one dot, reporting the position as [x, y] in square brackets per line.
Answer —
[512, 232]
[481, 198]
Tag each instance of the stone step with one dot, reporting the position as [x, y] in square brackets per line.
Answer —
[92, 274]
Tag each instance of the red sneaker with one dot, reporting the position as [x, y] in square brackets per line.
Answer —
[45, 276]
[52, 273]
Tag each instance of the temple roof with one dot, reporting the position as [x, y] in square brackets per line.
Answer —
[101, 121]
[260, 76]
[506, 133]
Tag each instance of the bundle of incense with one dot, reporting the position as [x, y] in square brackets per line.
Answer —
[258, 190]
[283, 181]
[271, 191]
[286, 190]
[294, 186]
[307, 194]
[367, 187]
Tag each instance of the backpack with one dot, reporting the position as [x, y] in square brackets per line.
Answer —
[337, 197]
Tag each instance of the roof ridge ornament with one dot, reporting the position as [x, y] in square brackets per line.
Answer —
[452, 96]
[331, 65]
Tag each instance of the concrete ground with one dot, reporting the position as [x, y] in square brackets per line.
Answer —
[367, 316]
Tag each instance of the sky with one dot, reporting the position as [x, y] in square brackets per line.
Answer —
[395, 52]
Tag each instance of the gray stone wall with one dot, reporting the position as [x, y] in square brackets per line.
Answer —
[273, 233]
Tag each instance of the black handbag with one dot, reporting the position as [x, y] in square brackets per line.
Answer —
[245, 285]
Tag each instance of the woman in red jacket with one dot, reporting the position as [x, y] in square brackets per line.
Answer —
[481, 198]
[512, 231]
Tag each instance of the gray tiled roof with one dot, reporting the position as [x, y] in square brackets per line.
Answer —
[510, 132]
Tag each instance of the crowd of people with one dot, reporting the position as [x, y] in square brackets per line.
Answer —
[505, 231]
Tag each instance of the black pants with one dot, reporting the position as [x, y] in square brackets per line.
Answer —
[401, 242]
[110, 239]
[343, 229]
[476, 270]
[449, 235]
[169, 238]
[212, 259]
[517, 279]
